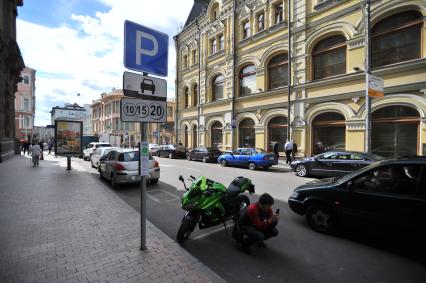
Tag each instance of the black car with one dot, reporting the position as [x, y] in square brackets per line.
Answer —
[172, 151]
[205, 154]
[391, 192]
[333, 163]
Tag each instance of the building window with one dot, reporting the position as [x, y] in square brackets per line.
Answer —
[194, 57]
[195, 95]
[26, 104]
[260, 22]
[397, 39]
[185, 61]
[216, 133]
[185, 97]
[218, 84]
[278, 71]
[329, 132]
[213, 46]
[246, 29]
[221, 42]
[277, 133]
[214, 12]
[247, 135]
[329, 57]
[278, 9]
[116, 107]
[26, 79]
[27, 122]
[247, 80]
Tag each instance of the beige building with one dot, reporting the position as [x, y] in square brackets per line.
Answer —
[232, 62]
[106, 120]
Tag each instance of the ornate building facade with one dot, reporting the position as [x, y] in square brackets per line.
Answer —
[232, 75]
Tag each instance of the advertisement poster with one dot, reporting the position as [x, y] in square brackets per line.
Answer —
[68, 137]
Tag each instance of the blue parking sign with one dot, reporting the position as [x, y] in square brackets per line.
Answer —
[145, 49]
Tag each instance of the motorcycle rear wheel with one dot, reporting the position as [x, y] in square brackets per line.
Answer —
[184, 231]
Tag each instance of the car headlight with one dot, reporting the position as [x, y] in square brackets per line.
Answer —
[295, 195]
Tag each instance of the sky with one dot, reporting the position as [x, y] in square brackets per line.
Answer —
[76, 46]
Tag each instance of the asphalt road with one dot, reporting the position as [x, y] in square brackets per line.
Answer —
[298, 254]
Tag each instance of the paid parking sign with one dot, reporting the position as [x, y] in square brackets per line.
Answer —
[144, 154]
[145, 49]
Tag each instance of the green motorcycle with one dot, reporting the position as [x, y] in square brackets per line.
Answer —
[210, 203]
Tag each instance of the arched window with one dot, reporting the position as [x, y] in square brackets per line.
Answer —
[396, 39]
[278, 71]
[329, 57]
[216, 134]
[195, 95]
[185, 97]
[395, 131]
[247, 80]
[218, 84]
[214, 12]
[247, 135]
[277, 132]
[329, 132]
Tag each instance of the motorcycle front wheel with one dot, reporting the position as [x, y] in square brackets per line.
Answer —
[185, 230]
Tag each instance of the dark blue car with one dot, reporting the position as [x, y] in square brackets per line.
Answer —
[252, 158]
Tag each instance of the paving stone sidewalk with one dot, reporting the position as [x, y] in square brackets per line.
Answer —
[66, 226]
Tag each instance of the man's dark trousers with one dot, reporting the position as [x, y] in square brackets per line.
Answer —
[288, 155]
[257, 236]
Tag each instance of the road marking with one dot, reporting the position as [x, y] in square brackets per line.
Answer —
[181, 167]
[174, 197]
[213, 232]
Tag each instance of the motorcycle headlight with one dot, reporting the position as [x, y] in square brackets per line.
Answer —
[295, 195]
[191, 206]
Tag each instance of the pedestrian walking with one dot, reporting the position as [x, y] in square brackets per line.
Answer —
[276, 150]
[294, 152]
[49, 147]
[27, 147]
[35, 154]
[288, 151]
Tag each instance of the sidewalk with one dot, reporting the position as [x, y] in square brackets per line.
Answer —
[66, 226]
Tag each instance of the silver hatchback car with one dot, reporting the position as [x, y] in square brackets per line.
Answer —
[121, 166]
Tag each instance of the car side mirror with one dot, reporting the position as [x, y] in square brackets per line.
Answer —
[181, 179]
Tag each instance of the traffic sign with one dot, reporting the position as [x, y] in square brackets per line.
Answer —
[145, 49]
[138, 110]
[136, 85]
[144, 156]
[375, 86]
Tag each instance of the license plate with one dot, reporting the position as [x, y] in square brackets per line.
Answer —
[271, 158]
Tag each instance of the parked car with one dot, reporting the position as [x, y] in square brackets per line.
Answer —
[390, 192]
[91, 147]
[121, 166]
[172, 151]
[153, 148]
[252, 158]
[98, 154]
[205, 154]
[333, 163]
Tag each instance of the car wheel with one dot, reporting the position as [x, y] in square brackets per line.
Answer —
[188, 157]
[154, 181]
[321, 218]
[301, 170]
[114, 182]
[100, 173]
[204, 159]
[223, 163]
[252, 166]
[171, 155]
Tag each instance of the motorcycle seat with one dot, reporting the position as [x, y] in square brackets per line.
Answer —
[232, 192]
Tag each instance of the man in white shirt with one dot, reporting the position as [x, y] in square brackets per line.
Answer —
[35, 153]
[288, 151]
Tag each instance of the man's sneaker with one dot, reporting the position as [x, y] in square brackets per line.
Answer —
[261, 245]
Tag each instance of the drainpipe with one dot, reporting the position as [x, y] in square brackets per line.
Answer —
[289, 72]
[234, 89]
[199, 80]
[177, 90]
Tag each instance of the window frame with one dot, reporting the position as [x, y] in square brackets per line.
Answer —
[317, 53]
[241, 76]
[221, 41]
[213, 45]
[275, 66]
[245, 30]
[278, 13]
[260, 21]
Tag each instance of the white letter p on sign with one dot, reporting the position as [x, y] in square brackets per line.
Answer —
[140, 50]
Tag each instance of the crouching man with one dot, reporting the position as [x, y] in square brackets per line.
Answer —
[258, 223]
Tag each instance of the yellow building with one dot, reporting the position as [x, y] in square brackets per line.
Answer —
[106, 120]
[232, 62]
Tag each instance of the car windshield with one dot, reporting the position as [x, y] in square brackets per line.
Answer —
[259, 150]
[103, 145]
[349, 176]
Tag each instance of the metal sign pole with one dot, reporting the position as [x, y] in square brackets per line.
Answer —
[144, 135]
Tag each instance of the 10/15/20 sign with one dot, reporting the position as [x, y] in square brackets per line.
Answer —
[137, 110]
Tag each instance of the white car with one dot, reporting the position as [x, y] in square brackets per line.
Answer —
[153, 148]
[91, 147]
[98, 154]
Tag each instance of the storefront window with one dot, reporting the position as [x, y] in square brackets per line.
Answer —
[328, 132]
[277, 133]
[247, 135]
[329, 57]
[216, 133]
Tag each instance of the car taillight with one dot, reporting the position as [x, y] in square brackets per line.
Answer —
[265, 158]
[156, 164]
[119, 167]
